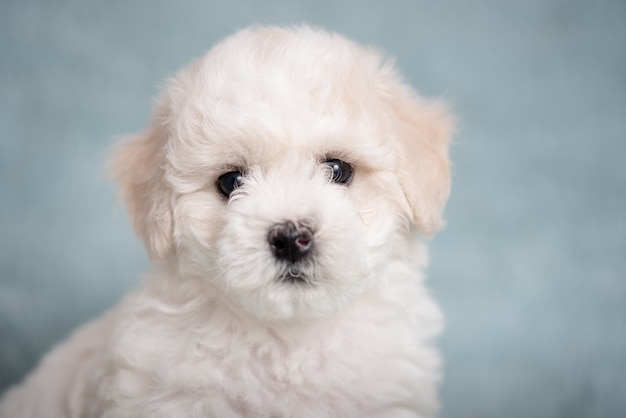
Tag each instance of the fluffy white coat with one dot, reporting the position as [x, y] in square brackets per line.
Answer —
[212, 331]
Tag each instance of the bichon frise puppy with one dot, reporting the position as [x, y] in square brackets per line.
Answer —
[278, 189]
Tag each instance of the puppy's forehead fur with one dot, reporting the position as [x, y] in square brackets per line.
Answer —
[268, 92]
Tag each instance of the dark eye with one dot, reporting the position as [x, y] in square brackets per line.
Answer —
[341, 171]
[228, 182]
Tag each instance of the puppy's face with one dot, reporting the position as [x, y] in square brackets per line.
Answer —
[286, 168]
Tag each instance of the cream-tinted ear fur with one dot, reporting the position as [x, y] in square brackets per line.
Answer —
[423, 132]
[137, 164]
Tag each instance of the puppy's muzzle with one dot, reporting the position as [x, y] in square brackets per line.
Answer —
[291, 241]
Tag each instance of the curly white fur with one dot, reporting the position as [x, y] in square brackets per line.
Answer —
[212, 331]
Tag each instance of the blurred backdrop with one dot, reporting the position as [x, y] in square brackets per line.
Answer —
[531, 270]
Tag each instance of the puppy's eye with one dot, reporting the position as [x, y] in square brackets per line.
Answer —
[341, 171]
[228, 182]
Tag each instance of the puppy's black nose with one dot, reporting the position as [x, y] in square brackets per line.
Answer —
[290, 241]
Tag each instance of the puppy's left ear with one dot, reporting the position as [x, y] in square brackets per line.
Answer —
[137, 164]
[423, 133]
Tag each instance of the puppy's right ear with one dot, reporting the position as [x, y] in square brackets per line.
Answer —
[137, 164]
[423, 132]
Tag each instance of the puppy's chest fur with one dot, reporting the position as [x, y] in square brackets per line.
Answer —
[371, 356]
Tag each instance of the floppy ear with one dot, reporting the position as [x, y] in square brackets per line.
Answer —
[137, 164]
[423, 133]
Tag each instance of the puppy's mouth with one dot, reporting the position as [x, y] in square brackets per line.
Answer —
[294, 276]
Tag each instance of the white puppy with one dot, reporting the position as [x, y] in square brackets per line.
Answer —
[278, 190]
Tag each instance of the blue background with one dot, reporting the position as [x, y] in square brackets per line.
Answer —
[531, 269]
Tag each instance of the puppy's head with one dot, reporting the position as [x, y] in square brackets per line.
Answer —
[286, 168]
